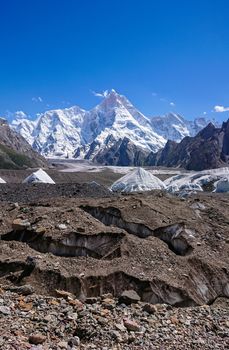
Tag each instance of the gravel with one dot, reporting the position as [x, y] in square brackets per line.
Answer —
[48, 323]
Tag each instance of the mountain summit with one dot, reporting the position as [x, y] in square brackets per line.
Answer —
[99, 133]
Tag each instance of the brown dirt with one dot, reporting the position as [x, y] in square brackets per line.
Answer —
[82, 239]
[146, 257]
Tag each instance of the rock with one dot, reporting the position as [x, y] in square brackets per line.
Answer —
[37, 339]
[15, 206]
[120, 327]
[61, 227]
[92, 300]
[116, 335]
[40, 230]
[63, 345]
[131, 325]
[74, 341]
[102, 320]
[20, 225]
[149, 308]
[107, 296]
[83, 332]
[109, 303]
[76, 303]
[27, 289]
[64, 294]
[198, 205]
[5, 310]
[128, 297]
[73, 316]
[174, 320]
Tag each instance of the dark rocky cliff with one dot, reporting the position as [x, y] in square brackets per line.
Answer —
[208, 149]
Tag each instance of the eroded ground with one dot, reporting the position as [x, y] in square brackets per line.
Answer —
[168, 250]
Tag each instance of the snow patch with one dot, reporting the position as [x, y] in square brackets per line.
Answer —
[2, 181]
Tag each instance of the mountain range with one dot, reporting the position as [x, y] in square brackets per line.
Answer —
[207, 150]
[114, 132]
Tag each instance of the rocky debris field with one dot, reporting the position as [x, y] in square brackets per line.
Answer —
[40, 322]
[141, 271]
[35, 192]
[105, 176]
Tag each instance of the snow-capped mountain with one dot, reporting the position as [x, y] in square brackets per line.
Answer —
[24, 126]
[113, 119]
[58, 132]
[77, 133]
[113, 127]
[174, 127]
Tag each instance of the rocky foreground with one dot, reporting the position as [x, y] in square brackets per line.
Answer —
[114, 272]
[40, 323]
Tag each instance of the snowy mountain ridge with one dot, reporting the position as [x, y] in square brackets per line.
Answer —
[174, 127]
[75, 132]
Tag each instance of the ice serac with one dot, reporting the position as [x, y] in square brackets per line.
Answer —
[2, 181]
[136, 181]
[40, 176]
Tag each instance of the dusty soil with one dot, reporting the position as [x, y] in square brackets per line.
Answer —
[168, 250]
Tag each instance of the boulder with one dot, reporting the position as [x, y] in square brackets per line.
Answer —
[129, 297]
[20, 225]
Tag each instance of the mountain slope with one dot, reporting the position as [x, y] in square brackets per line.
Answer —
[208, 149]
[174, 127]
[122, 153]
[15, 151]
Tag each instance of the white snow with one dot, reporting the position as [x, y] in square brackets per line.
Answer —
[70, 131]
[24, 126]
[136, 181]
[2, 181]
[174, 127]
[39, 176]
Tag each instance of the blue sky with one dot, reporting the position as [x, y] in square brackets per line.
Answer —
[163, 55]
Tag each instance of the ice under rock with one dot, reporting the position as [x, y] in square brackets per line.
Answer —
[136, 181]
[195, 180]
[222, 185]
[39, 176]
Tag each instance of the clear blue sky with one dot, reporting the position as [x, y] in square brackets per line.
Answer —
[54, 52]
